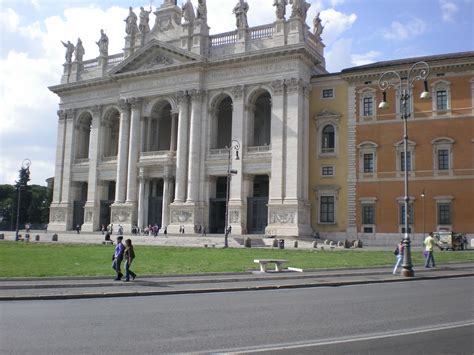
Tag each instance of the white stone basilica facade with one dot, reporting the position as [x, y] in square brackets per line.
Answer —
[147, 136]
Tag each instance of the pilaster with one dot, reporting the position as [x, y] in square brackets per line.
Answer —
[278, 132]
[351, 163]
[280, 33]
[296, 30]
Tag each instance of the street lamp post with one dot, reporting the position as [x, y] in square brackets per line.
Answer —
[25, 165]
[234, 145]
[418, 71]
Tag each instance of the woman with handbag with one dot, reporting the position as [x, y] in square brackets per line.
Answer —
[399, 254]
[129, 256]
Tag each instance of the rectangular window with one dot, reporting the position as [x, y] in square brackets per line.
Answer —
[368, 106]
[368, 163]
[368, 214]
[441, 100]
[444, 214]
[402, 161]
[327, 171]
[328, 93]
[326, 214]
[443, 159]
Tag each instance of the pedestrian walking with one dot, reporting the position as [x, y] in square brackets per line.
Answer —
[429, 243]
[129, 256]
[117, 258]
[78, 229]
[102, 229]
[399, 255]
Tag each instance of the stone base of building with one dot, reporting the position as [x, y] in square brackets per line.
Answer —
[185, 216]
[91, 218]
[125, 215]
[289, 220]
[60, 217]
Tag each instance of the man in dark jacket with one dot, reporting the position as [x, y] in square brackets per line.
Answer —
[118, 257]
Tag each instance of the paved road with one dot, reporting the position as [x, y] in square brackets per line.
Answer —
[242, 321]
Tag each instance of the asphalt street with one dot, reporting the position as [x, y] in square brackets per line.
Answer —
[373, 316]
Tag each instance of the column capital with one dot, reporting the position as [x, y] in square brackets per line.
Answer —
[61, 115]
[295, 85]
[70, 113]
[197, 94]
[175, 113]
[277, 87]
[181, 96]
[238, 91]
[96, 110]
[123, 105]
[135, 102]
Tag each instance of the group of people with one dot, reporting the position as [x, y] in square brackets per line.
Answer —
[429, 244]
[123, 252]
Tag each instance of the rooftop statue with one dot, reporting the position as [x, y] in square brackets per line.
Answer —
[79, 51]
[69, 51]
[103, 44]
[300, 9]
[144, 26]
[317, 26]
[280, 8]
[188, 12]
[201, 10]
[131, 28]
[240, 11]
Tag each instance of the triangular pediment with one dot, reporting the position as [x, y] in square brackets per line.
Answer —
[155, 55]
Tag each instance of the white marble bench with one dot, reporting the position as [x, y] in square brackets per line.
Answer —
[263, 264]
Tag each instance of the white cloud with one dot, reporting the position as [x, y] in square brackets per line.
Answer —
[402, 31]
[335, 24]
[448, 10]
[9, 20]
[341, 56]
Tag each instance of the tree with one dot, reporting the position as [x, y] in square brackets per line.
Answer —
[25, 200]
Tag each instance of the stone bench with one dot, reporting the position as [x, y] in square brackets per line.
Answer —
[264, 262]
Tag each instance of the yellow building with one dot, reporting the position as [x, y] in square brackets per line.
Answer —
[328, 152]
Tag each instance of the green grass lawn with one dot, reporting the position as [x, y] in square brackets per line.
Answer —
[41, 260]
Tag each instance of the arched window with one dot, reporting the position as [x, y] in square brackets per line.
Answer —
[262, 120]
[329, 139]
[224, 123]
[111, 133]
[83, 132]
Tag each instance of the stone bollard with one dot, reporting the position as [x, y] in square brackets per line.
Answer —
[275, 243]
[295, 245]
[248, 242]
[315, 245]
[37, 238]
[340, 244]
[2, 236]
[55, 237]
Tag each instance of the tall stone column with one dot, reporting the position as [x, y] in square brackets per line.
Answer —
[92, 207]
[182, 153]
[57, 215]
[194, 147]
[149, 132]
[278, 132]
[142, 134]
[120, 213]
[236, 204]
[133, 152]
[122, 159]
[141, 200]
[165, 216]
[66, 193]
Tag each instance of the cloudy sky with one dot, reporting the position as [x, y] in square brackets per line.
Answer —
[356, 32]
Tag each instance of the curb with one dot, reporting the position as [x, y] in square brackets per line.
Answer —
[230, 289]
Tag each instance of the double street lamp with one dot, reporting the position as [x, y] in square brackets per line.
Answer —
[418, 71]
[233, 146]
[25, 165]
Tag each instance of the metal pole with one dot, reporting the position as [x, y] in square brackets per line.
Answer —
[226, 225]
[407, 264]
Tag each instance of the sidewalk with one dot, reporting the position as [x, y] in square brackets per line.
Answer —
[18, 289]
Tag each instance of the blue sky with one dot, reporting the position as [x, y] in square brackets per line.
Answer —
[356, 32]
